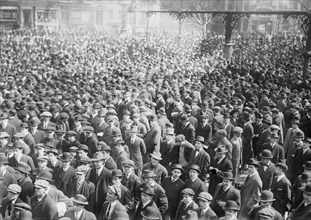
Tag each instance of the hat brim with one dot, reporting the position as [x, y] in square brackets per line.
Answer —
[269, 200]
[79, 202]
[66, 160]
[155, 157]
[265, 157]
[22, 171]
[199, 171]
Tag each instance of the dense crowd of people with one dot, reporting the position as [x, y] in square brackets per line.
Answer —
[96, 127]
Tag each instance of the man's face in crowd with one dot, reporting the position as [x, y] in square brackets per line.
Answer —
[80, 177]
[77, 207]
[45, 118]
[226, 183]
[110, 197]
[98, 164]
[154, 162]
[17, 151]
[42, 164]
[52, 157]
[251, 169]
[71, 138]
[65, 164]
[307, 197]
[82, 153]
[176, 173]
[187, 198]
[50, 134]
[11, 196]
[145, 197]
[193, 174]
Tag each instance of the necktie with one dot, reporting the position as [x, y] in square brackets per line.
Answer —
[108, 210]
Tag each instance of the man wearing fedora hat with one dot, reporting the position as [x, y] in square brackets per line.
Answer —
[275, 148]
[141, 128]
[250, 190]
[137, 149]
[79, 212]
[186, 128]
[187, 203]
[89, 138]
[225, 191]
[70, 140]
[200, 157]
[150, 213]
[106, 151]
[219, 164]
[281, 188]
[65, 175]
[173, 186]
[43, 206]
[154, 164]
[265, 202]
[303, 211]
[112, 204]
[22, 172]
[302, 155]
[231, 211]
[267, 169]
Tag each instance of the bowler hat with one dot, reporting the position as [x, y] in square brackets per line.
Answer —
[300, 134]
[156, 155]
[266, 154]
[66, 157]
[177, 166]
[117, 173]
[83, 147]
[227, 176]
[104, 147]
[194, 167]
[80, 199]
[232, 205]
[283, 166]
[23, 168]
[266, 196]
[150, 213]
[205, 196]
[306, 176]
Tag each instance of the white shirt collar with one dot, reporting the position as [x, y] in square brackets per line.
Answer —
[280, 177]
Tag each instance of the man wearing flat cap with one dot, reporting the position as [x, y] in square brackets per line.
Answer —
[22, 172]
[187, 203]
[204, 211]
[8, 203]
[89, 139]
[37, 134]
[43, 206]
[173, 186]
[79, 212]
[45, 123]
[70, 141]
